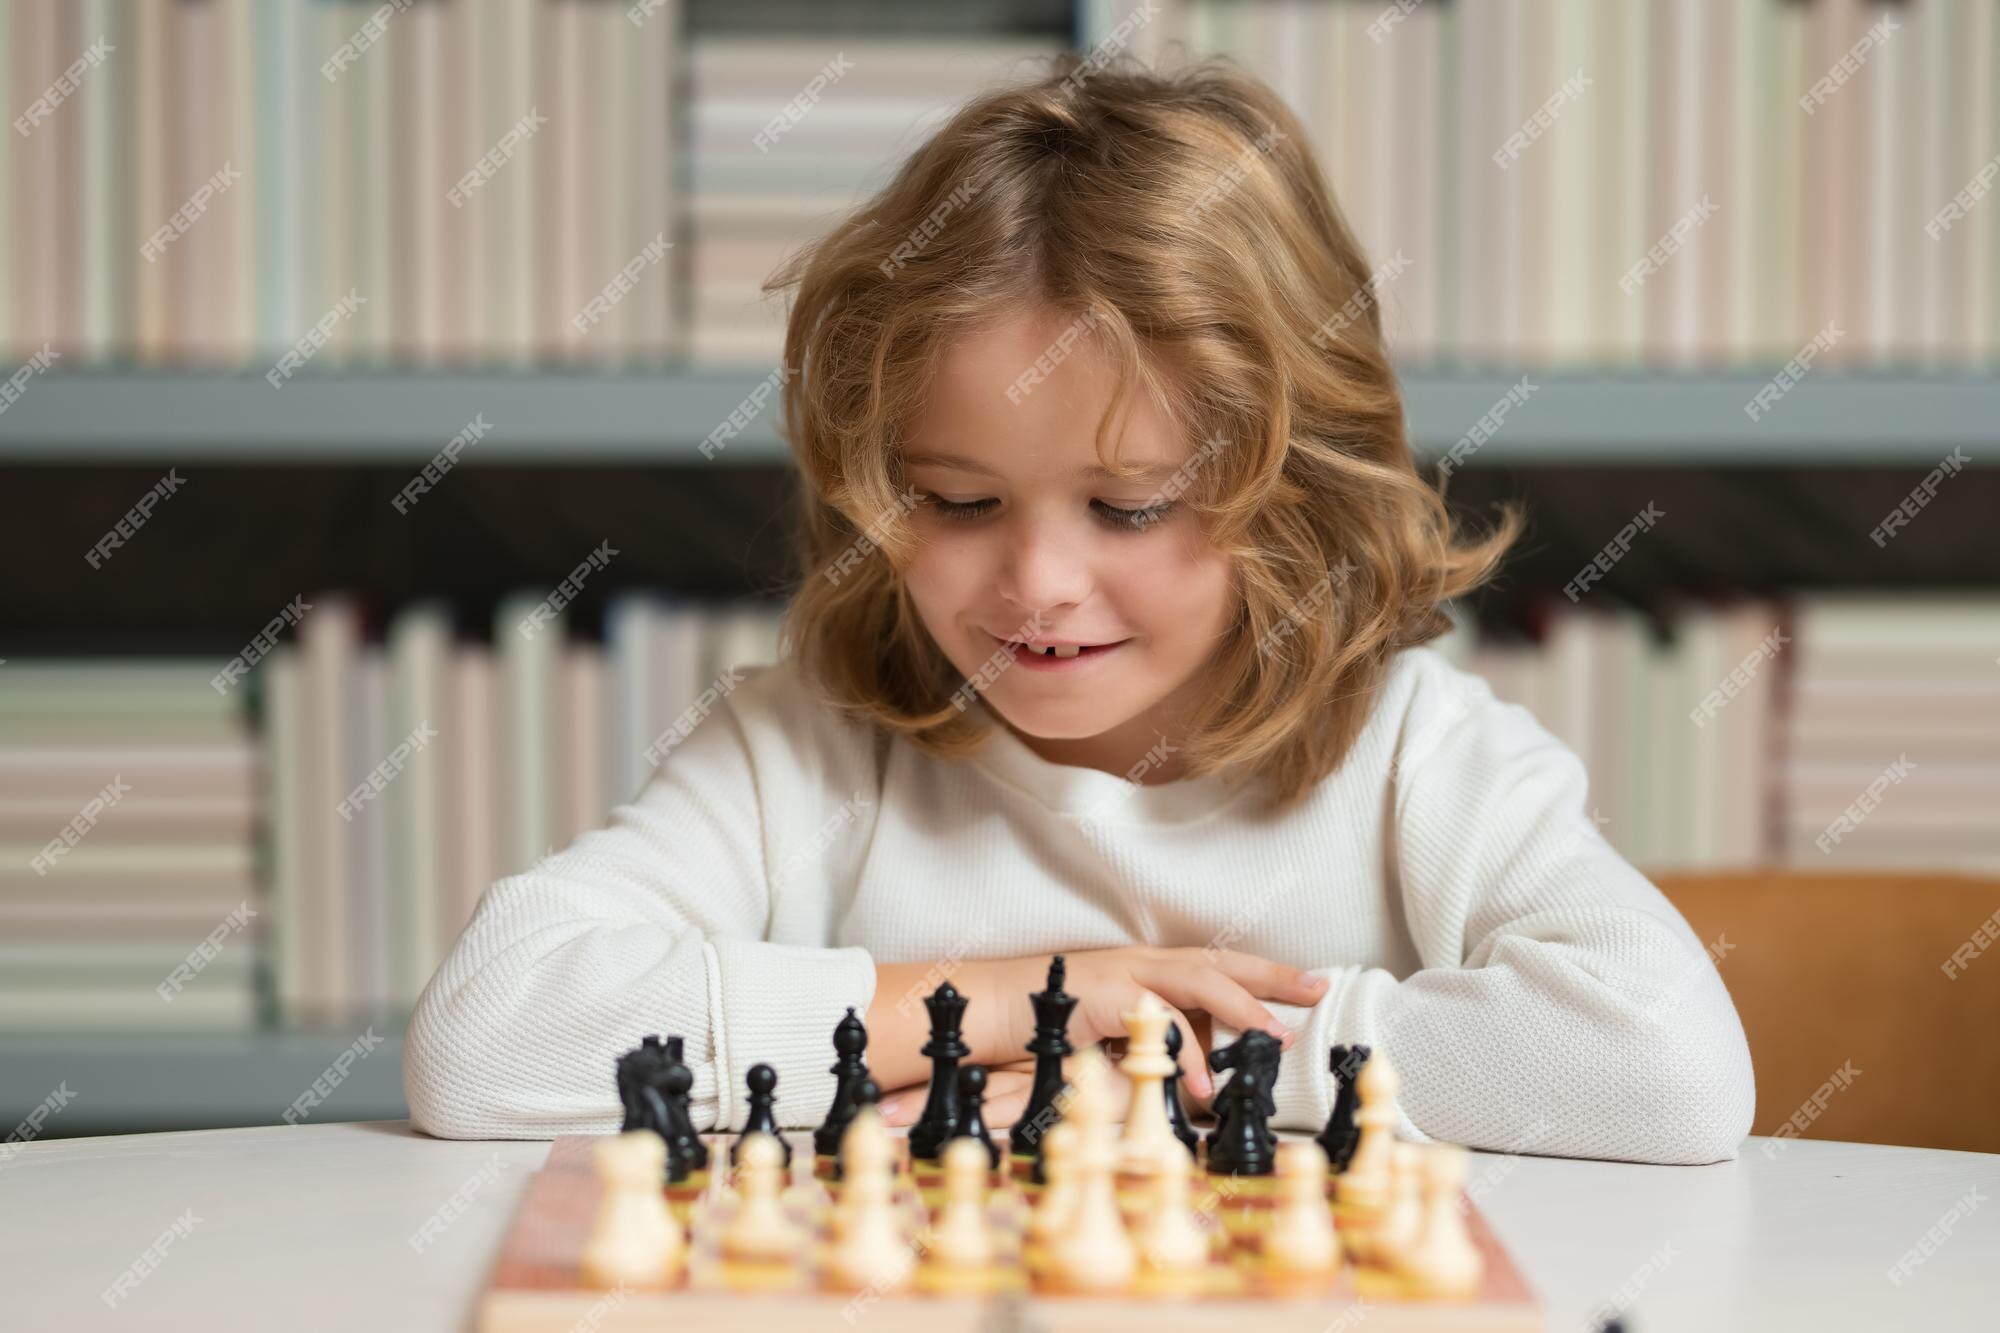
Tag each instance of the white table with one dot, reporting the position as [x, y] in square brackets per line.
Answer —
[311, 1227]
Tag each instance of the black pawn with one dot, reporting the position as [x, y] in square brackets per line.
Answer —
[1050, 1044]
[1341, 1135]
[1176, 1112]
[1242, 1144]
[971, 1120]
[762, 1081]
[850, 1039]
[945, 1048]
[686, 1153]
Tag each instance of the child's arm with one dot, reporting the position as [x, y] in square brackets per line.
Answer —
[1563, 1006]
[658, 924]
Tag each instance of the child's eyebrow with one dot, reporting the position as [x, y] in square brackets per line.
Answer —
[1151, 472]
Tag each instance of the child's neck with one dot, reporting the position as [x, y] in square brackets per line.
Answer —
[1142, 750]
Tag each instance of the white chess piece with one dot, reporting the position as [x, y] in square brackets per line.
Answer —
[1170, 1240]
[1392, 1236]
[871, 1252]
[1443, 1260]
[1148, 1135]
[760, 1232]
[1366, 1183]
[1093, 1253]
[1052, 1212]
[962, 1238]
[1301, 1243]
[636, 1241]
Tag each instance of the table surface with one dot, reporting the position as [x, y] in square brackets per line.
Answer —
[312, 1227]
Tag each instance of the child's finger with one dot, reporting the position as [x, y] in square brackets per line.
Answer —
[1268, 980]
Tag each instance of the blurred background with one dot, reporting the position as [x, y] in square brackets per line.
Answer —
[389, 392]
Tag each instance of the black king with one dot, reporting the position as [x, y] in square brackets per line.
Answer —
[1051, 1043]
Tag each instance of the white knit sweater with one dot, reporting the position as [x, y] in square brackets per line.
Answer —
[1534, 991]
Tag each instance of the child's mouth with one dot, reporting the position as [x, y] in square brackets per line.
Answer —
[1059, 657]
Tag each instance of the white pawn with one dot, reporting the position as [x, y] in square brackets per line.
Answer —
[1052, 1211]
[1148, 1135]
[1443, 1261]
[1366, 1183]
[760, 1232]
[871, 1251]
[636, 1241]
[1174, 1244]
[1301, 1243]
[1392, 1237]
[963, 1239]
[1094, 1254]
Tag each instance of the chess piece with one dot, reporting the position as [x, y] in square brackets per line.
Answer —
[633, 1070]
[666, 1091]
[1058, 1201]
[1242, 1144]
[1339, 1137]
[1050, 1044]
[1390, 1238]
[945, 1049]
[869, 1251]
[635, 1242]
[962, 1240]
[1300, 1245]
[760, 1232]
[1365, 1183]
[1443, 1261]
[850, 1039]
[971, 1113]
[1094, 1254]
[867, 1093]
[1174, 1244]
[1170, 1091]
[1148, 1134]
[762, 1080]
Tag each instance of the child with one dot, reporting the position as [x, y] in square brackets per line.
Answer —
[1116, 576]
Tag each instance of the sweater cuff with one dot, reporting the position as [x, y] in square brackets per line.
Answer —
[781, 1002]
[1351, 1013]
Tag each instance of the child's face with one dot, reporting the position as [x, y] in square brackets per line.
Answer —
[1044, 554]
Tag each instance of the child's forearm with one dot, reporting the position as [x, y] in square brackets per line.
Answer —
[899, 1025]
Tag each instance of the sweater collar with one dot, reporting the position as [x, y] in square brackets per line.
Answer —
[1090, 793]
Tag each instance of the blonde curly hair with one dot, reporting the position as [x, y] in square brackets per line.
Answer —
[1182, 217]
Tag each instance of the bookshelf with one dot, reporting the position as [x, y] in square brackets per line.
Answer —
[662, 417]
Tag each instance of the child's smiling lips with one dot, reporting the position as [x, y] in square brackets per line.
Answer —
[1035, 652]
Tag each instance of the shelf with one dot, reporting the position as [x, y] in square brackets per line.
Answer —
[133, 1082]
[625, 418]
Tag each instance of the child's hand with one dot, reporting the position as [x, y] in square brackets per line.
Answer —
[1007, 1089]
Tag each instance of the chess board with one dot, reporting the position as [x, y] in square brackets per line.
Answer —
[534, 1287]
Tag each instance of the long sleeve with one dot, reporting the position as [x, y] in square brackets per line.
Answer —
[670, 920]
[1561, 1006]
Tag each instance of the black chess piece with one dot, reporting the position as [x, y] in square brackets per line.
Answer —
[1050, 1044]
[1177, 1119]
[762, 1080]
[850, 1039]
[1341, 1135]
[971, 1117]
[1242, 1144]
[667, 1091]
[632, 1068]
[945, 1048]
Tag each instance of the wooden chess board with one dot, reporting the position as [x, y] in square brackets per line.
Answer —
[534, 1286]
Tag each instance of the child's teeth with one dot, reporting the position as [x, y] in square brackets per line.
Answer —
[1070, 651]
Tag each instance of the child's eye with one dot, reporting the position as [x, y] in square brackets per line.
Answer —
[959, 508]
[1134, 519]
